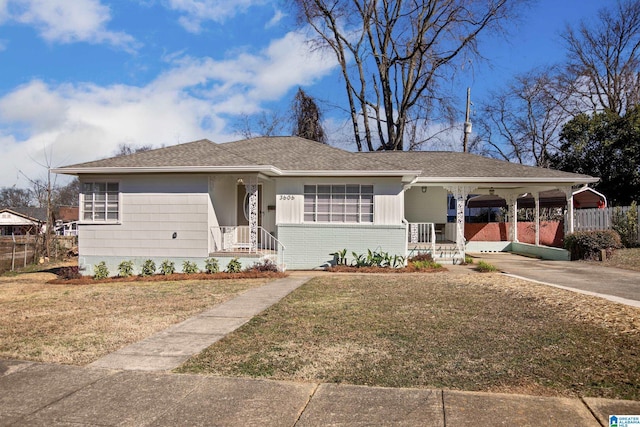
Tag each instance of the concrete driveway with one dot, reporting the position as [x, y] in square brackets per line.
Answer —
[611, 283]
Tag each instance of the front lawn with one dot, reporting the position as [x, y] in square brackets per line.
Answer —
[483, 332]
[77, 324]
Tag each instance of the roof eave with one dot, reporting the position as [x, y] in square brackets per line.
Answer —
[509, 180]
[395, 173]
[267, 170]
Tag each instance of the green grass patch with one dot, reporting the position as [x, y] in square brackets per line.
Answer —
[485, 267]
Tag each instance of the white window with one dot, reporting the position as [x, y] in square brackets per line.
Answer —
[351, 203]
[100, 201]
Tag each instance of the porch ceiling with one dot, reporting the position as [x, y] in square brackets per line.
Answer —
[548, 199]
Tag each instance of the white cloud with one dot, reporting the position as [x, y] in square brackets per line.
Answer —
[65, 21]
[197, 11]
[193, 99]
[275, 20]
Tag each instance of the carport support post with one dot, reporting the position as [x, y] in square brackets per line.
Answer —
[568, 191]
[460, 193]
[512, 205]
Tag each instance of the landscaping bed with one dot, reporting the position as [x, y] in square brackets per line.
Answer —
[88, 280]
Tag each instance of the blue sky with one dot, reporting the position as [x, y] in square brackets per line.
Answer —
[78, 78]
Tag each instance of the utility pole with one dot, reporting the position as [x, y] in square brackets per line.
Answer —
[467, 121]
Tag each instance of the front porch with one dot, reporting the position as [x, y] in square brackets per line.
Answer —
[241, 241]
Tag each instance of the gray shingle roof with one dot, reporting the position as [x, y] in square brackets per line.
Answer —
[438, 164]
[31, 213]
[197, 153]
[292, 155]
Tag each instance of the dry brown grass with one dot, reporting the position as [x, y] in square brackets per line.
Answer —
[625, 258]
[483, 332]
[75, 324]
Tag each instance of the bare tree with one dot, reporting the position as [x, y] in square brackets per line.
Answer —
[522, 123]
[603, 68]
[67, 195]
[307, 118]
[394, 54]
[127, 149]
[15, 197]
[265, 124]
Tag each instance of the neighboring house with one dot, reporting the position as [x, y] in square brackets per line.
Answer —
[287, 198]
[22, 220]
[67, 221]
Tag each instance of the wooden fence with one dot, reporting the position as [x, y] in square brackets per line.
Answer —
[19, 251]
[598, 219]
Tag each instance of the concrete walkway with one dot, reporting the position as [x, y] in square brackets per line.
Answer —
[168, 349]
[615, 284]
[33, 394]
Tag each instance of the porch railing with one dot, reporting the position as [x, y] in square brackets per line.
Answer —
[237, 238]
[423, 233]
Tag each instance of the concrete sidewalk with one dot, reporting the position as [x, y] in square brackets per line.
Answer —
[614, 284]
[33, 394]
[168, 349]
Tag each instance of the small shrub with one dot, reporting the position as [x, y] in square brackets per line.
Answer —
[148, 268]
[234, 266]
[265, 265]
[425, 265]
[485, 267]
[100, 271]
[588, 244]
[125, 269]
[211, 265]
[189, 267]
[468, 259]
[626, 225]
[340, 257]
[167, 267]
[68, 273]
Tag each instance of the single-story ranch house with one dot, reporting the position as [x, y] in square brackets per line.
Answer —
[292, 200]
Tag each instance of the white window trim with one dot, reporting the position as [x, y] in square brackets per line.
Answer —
[360, 214]
[105, 221]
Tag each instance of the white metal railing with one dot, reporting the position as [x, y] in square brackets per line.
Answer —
[422, 233]
[237, 238]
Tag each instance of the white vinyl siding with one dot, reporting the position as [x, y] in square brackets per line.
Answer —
[342, 203]
[100, 201]
[152, 209]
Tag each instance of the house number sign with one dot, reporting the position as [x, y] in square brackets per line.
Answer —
[286, 197]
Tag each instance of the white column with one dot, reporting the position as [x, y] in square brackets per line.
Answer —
[460, 193]
[251, 187]
[536, 197]
[568, 191]
[512, 205]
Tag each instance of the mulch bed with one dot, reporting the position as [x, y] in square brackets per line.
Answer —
[409, 269]
[88, 280]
